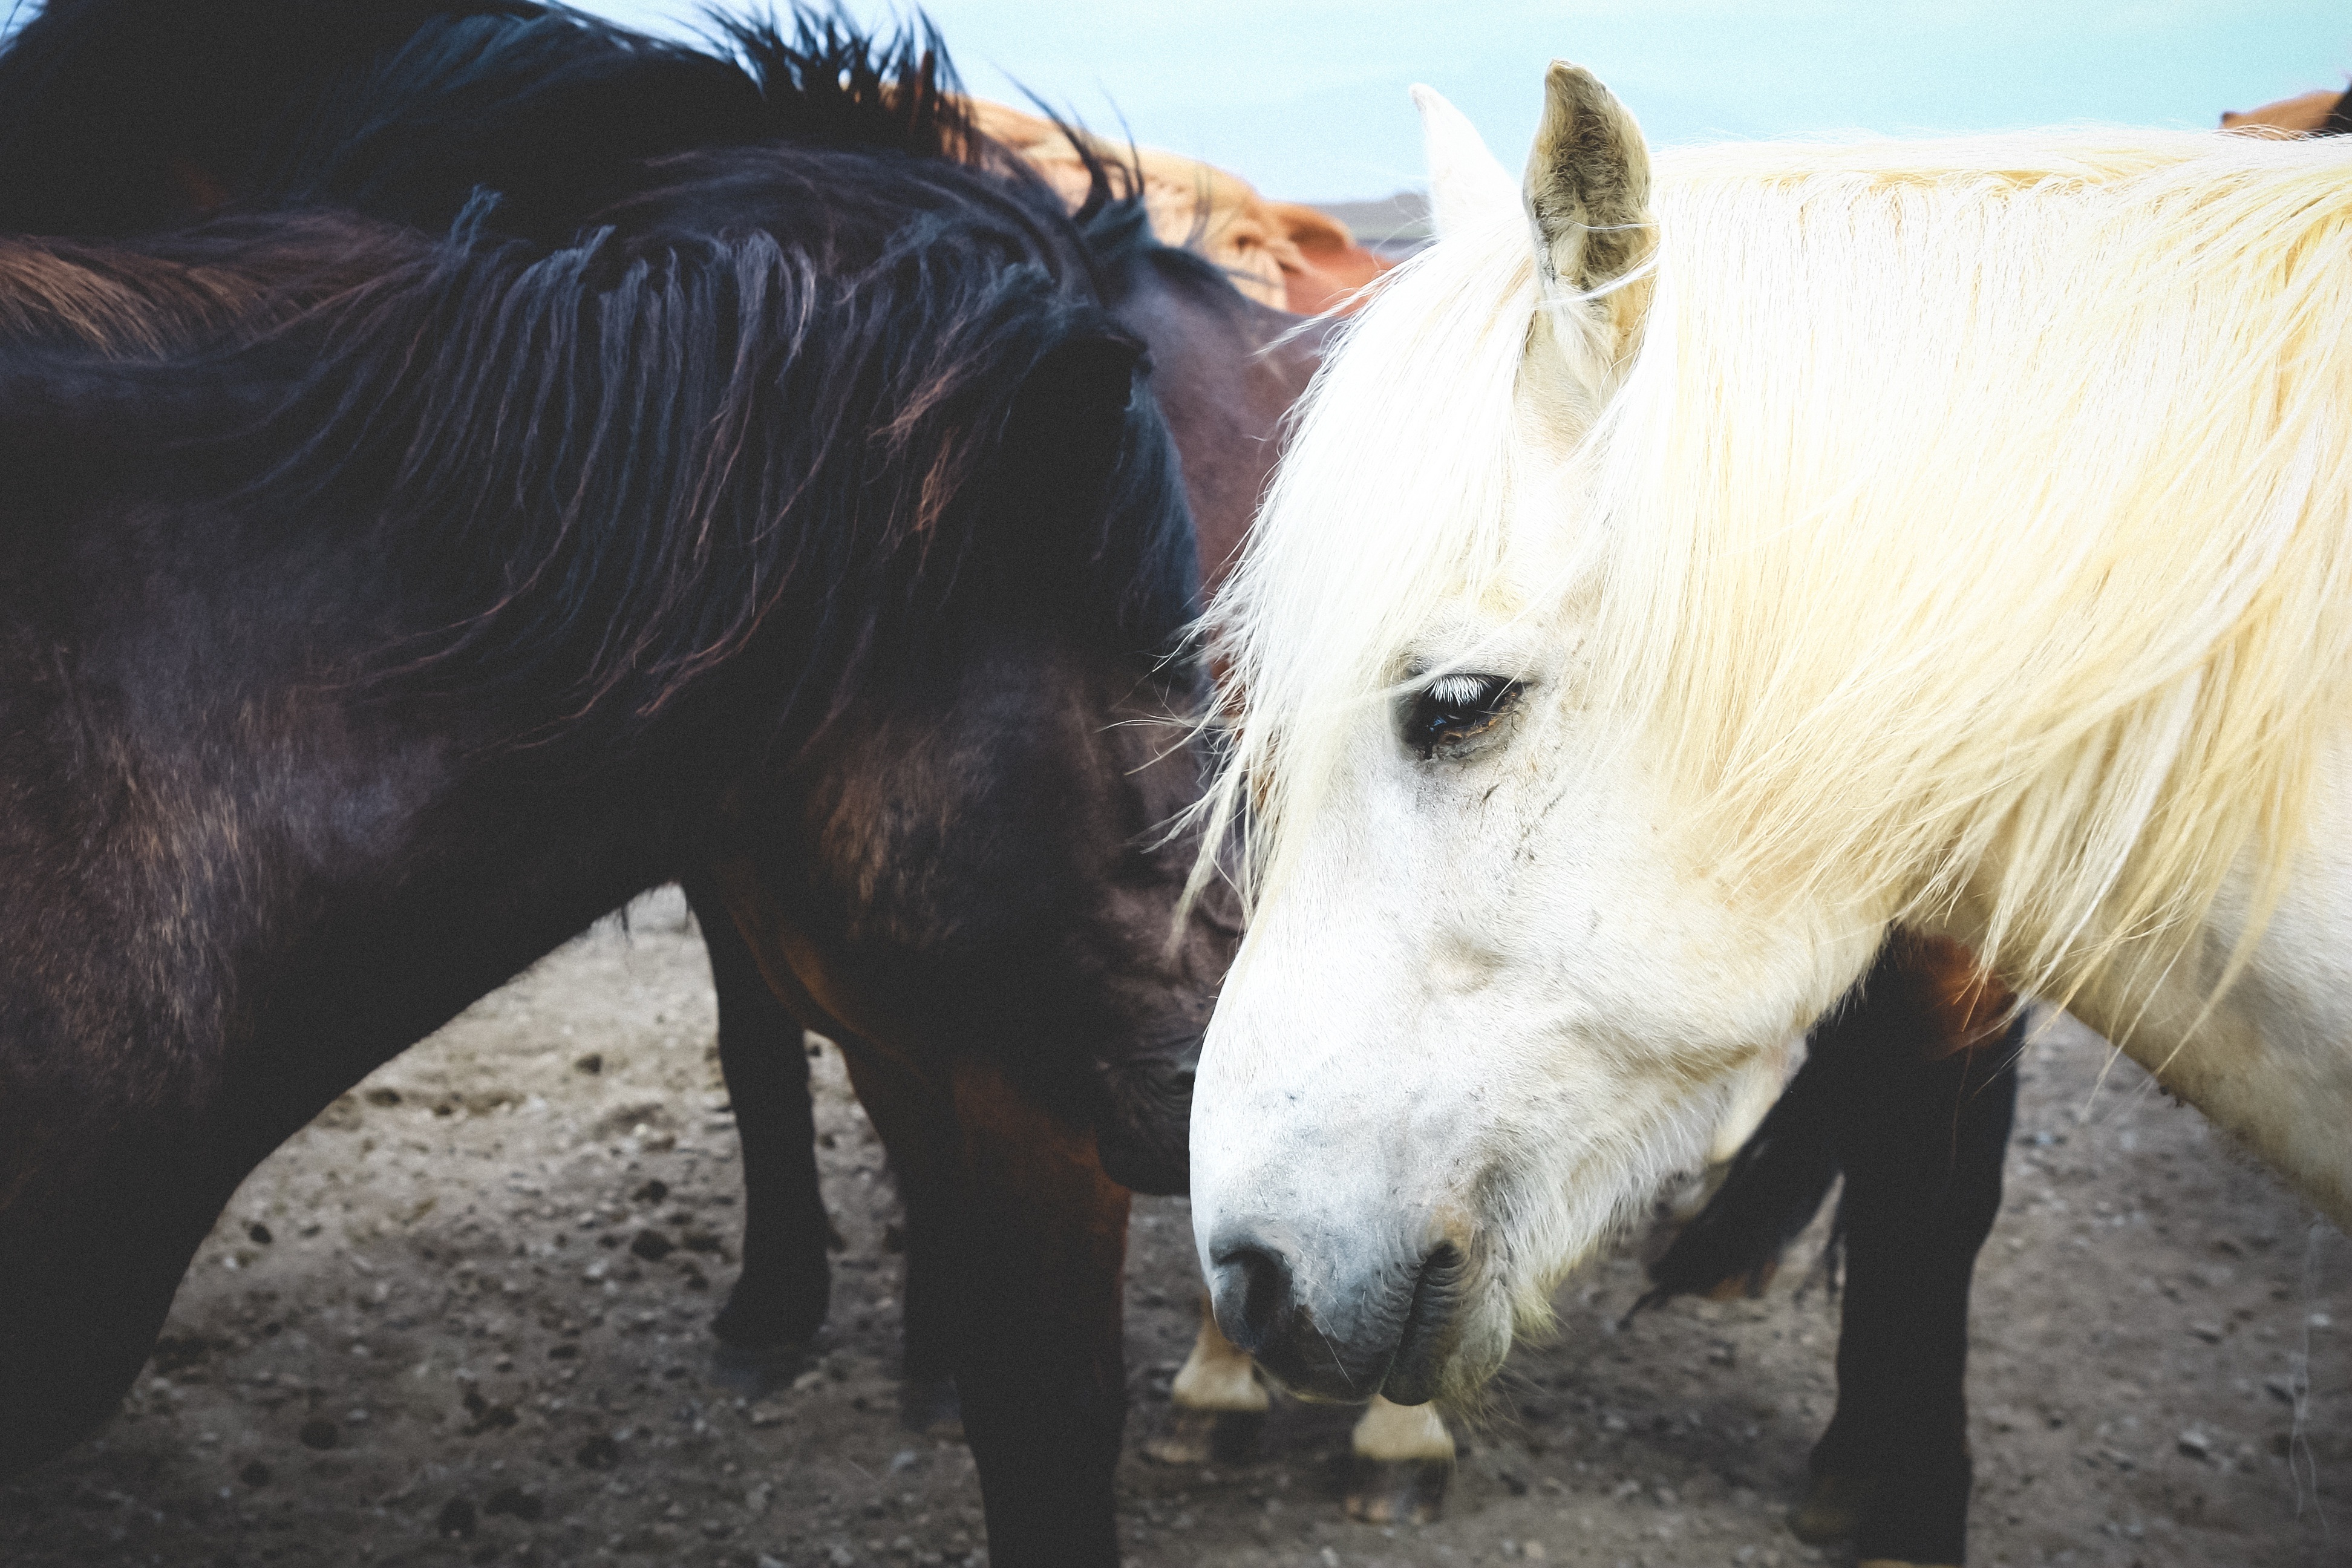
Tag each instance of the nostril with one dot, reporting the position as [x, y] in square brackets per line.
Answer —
[1252, 1294]
[1181, 1082]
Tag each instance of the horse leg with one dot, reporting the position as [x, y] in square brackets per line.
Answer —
[1772, 1190]
[88, 1269]
[917, 1121]
[1040, 1243]
[929, 1402]
[1401, 1463]
[1218, 1405]
[785, 1285]
[1929, 1088]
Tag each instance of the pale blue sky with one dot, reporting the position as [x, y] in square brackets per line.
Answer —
[1306, 98]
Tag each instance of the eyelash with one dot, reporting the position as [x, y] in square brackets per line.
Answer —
[1455, 708]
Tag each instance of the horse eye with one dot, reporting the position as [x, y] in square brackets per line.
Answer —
[1454, 709]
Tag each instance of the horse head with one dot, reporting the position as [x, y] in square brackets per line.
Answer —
[1448, 1058]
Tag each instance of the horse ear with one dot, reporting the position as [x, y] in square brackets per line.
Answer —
[1467, 183]
[1588, 187]
[1071, 414]
[1090, 477]
[1067, 428]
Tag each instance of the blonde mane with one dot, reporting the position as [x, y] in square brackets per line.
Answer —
[1968, 532]
[1329, 585]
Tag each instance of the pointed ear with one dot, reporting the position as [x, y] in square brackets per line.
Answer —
[1467, 183]
[1588, 187]
[1092, 497]
[1069, 422]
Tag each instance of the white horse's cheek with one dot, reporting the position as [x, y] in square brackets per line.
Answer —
[1413, 1050]
[1405, 1052]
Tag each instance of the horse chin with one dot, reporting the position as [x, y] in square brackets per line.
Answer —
[1453, 1367]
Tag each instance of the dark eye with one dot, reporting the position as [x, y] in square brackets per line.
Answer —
[1454, 709]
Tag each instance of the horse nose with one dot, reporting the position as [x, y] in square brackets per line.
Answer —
[1252, 1295]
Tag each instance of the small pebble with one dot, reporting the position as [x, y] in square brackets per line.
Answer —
[458, 1517]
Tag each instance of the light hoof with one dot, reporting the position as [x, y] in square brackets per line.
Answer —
[754, 1371]
[1200, 1436]
[930, 1407]
[1832, 1510]
[1397, 1491]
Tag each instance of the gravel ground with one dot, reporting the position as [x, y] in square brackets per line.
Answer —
[460, 1319]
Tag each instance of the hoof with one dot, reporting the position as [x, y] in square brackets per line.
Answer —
[756, 1370]
[930, 1407]
[1397, 1491]
[756, 1318]
[1199, 1437]
[1831, 1510]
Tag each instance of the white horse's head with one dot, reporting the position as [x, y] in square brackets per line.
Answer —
[1652, 608]
[1483, 1005]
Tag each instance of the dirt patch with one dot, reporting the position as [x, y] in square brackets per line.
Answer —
[461, 1320]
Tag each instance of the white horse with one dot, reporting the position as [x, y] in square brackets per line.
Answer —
[1663, 598]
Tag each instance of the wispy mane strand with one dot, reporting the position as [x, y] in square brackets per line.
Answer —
[1971, 528]
[652, 449]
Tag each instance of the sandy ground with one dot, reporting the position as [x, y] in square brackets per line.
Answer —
[424, 1332]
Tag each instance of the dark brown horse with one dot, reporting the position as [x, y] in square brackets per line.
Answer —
[960, 872]
[879, 524]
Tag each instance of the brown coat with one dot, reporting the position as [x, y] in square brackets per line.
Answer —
[1279, 254]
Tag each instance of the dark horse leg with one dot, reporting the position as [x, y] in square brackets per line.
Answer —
[917, 1121]
[1909, 1090]
[1929, 1089]
[782, 1295]
[1016, 1241]
[785, 1284]
[89, 1261]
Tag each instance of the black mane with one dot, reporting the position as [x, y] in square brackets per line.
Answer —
[403, 108]
[638, 461]
[767, 336]
[122, 117]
